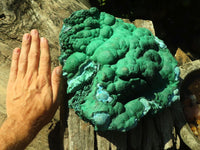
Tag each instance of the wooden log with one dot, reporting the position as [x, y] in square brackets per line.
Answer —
[81, 134]
[112, 140]
[185, 132]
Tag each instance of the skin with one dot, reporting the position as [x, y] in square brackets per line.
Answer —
[32, 93]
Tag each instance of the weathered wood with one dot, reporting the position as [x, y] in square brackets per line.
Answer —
[181, 57]
[102, 142]
[18, 17]
[157, 131]
[81, 134]
[144, 24]
[164, 123]
[153, 132]
[135, 137]
[112, 140]
[185, 132]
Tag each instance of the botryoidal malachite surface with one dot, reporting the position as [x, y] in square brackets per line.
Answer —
[116, 73]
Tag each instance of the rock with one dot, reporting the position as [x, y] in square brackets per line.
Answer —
[110, 65]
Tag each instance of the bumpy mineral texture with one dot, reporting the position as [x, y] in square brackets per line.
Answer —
[116, 73]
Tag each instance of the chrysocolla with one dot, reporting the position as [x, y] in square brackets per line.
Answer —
[116, 73]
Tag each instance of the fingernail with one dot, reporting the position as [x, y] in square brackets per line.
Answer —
[59, 71]
[34, 32]
[16, 50]
[43, 39]
[26, 36]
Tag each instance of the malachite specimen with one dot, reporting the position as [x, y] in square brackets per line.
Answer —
[116, 73]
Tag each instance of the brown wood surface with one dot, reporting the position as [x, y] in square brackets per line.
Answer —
[67, 131]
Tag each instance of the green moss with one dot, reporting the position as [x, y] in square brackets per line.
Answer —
[116, 73]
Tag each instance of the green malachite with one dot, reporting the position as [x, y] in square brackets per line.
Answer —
[116, 73]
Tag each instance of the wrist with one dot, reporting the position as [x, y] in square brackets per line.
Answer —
[16, 134]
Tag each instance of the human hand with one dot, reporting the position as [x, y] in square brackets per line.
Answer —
[32, 91]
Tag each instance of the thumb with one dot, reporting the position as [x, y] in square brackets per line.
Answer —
[55, 81]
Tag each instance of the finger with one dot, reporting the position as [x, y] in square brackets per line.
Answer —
[34, 53]
[23, 59]
[14, 65]
[44, 64]
[55, 82]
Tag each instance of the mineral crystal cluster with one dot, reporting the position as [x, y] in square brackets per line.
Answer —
[116, 73]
